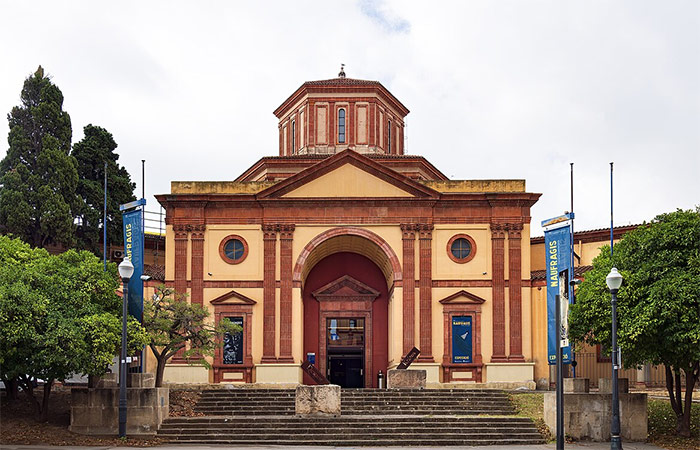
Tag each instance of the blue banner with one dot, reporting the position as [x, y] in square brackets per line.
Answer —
[462, 339]
[133, 249]
[557, 244]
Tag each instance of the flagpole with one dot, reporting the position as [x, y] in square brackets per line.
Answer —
[104, 226]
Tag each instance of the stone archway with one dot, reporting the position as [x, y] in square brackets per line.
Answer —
[349, 239]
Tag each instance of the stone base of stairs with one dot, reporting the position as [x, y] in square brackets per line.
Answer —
[370, 417]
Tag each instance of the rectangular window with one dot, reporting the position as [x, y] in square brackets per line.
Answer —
[233, 344]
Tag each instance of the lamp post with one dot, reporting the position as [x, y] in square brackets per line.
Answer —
[614, 280]
[126, 270]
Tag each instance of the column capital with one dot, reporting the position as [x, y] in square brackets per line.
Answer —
[409, 230]
[198, 231]
[425, 230]
[514, 230]
[270, 231]
[286, 231]
[498, 230]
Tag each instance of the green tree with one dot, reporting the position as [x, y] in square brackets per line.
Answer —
[59, 315]
[91, 153]
[173, 324]
[39, 178]
[658, 303]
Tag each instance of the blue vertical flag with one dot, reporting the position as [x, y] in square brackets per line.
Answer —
[557, 244]
[133, 249]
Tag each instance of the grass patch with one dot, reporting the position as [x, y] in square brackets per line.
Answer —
[662, 426]
[531, 405]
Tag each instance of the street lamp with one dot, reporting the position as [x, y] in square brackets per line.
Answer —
[614, 280]
[126, 270]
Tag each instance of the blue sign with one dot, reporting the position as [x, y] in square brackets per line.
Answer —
[462, 339]
[557, 244]
[133, 249]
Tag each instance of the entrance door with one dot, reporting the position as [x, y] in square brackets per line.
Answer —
[345, 349]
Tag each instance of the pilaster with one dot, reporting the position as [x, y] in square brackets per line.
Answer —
[181, 237]
[499, 288]
[286, 241]
[197, 289]
[515, 292]
[269, 260]
[409, 286]
[425, 239]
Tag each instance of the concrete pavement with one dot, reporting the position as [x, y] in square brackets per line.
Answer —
[576, 446]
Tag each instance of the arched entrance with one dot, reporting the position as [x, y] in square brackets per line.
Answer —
[346, 304]
[347, 275]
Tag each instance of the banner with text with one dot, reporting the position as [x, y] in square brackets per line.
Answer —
[462, 339]
[133, 249]
[557, 242]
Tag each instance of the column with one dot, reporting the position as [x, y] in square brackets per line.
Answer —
[499, 290]
[425, 239]
[197, 289]
[269, 258]
[409, 286]
[180, 258]
[515, 294]
[286, 240]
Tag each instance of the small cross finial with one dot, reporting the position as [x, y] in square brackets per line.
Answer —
[342, 71]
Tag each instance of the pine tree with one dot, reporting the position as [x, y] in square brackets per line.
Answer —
[91, 152]
[38, 177]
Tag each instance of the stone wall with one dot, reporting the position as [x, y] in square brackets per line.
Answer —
[95, 411]
[588, 416]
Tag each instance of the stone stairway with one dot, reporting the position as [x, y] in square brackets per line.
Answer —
[369, 417]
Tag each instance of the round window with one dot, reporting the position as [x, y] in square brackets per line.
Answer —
[461, 248]
[233, 249]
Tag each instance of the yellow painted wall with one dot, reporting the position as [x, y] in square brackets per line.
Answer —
[445, 269]
[347, 181]
[250, 269]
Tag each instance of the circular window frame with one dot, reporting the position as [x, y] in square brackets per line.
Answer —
[222, 251]
[471, 254]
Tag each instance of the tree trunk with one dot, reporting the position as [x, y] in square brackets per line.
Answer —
[27, 385]
[45, 401]
[676, 404]
[683, 428]
[160, 370]
[11, 389]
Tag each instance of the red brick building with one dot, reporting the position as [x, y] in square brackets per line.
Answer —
[345, 250]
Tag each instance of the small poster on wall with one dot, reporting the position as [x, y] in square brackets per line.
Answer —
[462, 339]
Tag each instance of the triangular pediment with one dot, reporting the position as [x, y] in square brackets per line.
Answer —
[233, 298]
[348, 174]
[345, 286]
[462, 298]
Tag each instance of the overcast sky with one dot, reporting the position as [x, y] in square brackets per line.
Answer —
[508, 89]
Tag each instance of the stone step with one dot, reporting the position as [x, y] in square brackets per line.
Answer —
[345, 441]
[436, 428]
[322, 420]
[419, 412]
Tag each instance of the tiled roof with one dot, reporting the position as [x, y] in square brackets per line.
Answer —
[155, 271]
[598, 234]
[342, 81]
[542, 274]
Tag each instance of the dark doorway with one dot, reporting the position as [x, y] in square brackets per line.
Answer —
[345, 350]
[346, 370]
